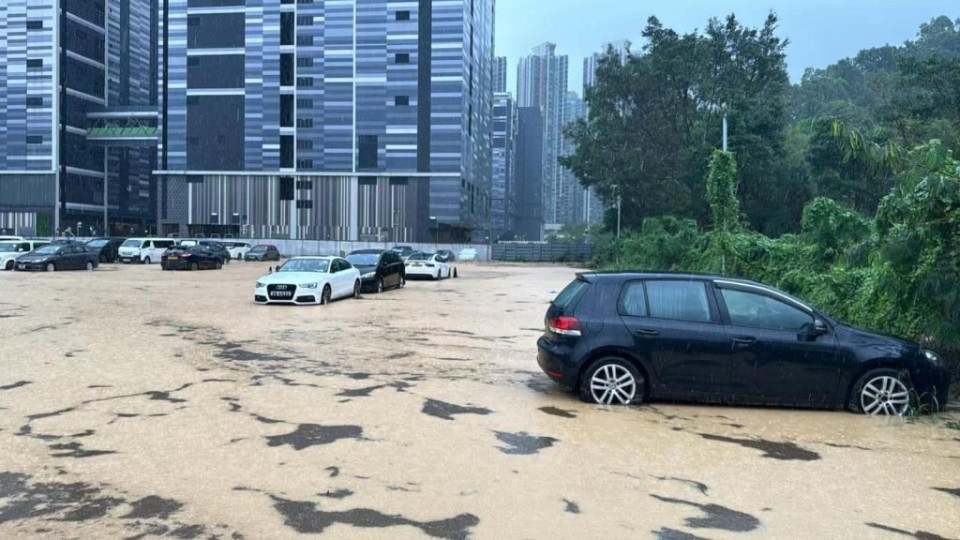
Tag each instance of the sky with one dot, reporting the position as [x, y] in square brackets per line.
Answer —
[820, 31]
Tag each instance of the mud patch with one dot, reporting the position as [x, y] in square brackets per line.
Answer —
[776, 450]
[307, 435]
[360, 392]
[952, 491]
[76, 450]
[307, 518]
[338, 494]
[446, 411]
[699, 486]
[523, 444]
[919, 535]
[17, 384]
[717, 517]
[571, 507]
[334, 471]
[397, 356]
[153, 507]
[673, 534]
[562, 413]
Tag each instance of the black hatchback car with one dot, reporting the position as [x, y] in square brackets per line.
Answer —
[623, 338]
[379, 270]
[107, 248]
[263, 253]
[191, 258]
[72, 256]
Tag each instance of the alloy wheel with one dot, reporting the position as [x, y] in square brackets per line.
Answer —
[885, 395]
[613, 383]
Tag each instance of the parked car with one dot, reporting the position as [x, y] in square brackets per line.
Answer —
[263, 253]
[191, 258]
[403, 251]
[107, 249]
[446, 255]
[219, 250]
[58, 257]
[467, 254]
[427, 265]
[379, 270]
[237, 249]
[308, 280]
[11, 238]
[10, 250]
[144, 250]
[625, 338]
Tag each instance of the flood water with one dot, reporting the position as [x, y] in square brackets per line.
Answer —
[141, 403]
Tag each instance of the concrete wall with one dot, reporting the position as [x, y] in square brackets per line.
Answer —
[292, 248]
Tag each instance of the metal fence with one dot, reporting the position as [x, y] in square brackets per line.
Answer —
[537, 252]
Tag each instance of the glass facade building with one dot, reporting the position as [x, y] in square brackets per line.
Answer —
[326, 119]
[69, 66]
[503, 192]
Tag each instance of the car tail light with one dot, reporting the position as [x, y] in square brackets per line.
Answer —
[565, 326]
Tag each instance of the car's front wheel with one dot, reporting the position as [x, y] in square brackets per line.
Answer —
[612, 381]
[146, 261]
[883, 392]
[9, 265]
[51, 267]
[325, 295]
[356, 289]
[89, 266]
[194, 266]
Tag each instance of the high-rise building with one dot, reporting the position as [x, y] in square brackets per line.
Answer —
[347, 119]
[77, 115]
[542, 83]
[503, 194]
[528, 175]
[500, 74]
[572, 196]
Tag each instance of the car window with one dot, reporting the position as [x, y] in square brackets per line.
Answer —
[345, 265]
[633, 302]
[24, 247]
[759, 311]
[678, 300]
[570, 293]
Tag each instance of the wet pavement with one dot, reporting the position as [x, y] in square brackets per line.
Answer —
[136, 403]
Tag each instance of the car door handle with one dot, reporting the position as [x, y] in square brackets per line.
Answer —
[646, 332]
[743, 341]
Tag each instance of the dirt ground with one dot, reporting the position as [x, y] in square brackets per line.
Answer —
[140, 403]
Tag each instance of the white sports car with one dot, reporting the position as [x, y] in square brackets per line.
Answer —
[308, 280]
[427, 265]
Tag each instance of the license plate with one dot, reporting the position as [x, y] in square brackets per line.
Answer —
[417, 265]
[282, 294]
[22, 266]
[172, 258]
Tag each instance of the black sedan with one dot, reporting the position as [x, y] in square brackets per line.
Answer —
[191, 258]
[445, 255]
[263, 253]
[623, 338]
[53, 257]
[379, 270]
[106, 248]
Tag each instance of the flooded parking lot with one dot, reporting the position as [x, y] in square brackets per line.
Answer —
[139, 403]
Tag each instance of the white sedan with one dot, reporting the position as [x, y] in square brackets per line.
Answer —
[427, 265]
[308, 280]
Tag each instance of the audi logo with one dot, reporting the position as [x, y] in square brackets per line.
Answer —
[281, 287]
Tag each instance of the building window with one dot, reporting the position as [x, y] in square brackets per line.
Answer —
[286, 110]
[34, 102]
[305, 185]
[34, 62]
[401, 58]
[304, 144]
[403, 15]
[304, 122]
[304, 41]
[304, 1]
[399, 181]
[286, 188]
[304, 82]
[34, 139]
[305, 20]
[193, 141]
[367, 180]
[304, 164]
[304, 103]
[304, 61]
[287, 28]
[193, 61]
[286, 155]
[34, 25]
[368, 158]
[304, 204]
[401, 101]
[193, 20]
[286, 70]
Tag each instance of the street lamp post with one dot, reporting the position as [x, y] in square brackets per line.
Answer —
[723, 253]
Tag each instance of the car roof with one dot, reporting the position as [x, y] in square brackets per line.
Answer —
[315, 257]
[367, 251]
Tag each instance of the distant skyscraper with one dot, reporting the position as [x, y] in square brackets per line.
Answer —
[500, 74]
[76, 77]
[503, 191]
[572, 196]
[542, 83]
[620, 48]
[339, 120]
[528, 174]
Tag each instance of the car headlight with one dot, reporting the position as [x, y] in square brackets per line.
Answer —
[309, 285]
[261, 285]
[369, 275]
[933, 357]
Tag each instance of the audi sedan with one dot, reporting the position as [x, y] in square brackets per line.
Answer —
[308, 280]
[623, 338]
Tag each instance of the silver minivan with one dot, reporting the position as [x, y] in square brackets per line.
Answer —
[144, 250]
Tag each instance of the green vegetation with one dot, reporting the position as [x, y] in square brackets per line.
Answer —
[843, 189]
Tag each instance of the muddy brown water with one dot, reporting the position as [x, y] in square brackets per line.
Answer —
[182, 410]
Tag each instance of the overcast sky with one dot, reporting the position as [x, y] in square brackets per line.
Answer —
[820, 31]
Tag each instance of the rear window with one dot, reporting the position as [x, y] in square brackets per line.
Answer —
[570, 294]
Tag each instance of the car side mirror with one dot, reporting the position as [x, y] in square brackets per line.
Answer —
[270, 270]
[810, 331]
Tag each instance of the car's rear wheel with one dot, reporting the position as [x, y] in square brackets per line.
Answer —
[883, 392]
[325, 295]
[51, 267]
[9, 265]
[612, 381]
[90, 266]
[356, 289]
[146, 261]
[194, 266]
[379, 285]
[218, 265]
